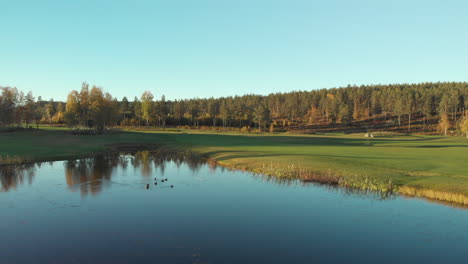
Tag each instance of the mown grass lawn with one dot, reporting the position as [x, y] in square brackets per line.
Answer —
[436, 163]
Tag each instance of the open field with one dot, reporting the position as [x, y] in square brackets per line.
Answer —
[426, 163]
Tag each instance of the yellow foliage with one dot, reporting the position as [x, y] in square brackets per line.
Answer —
[444, 124]
[58, 117]
[464, 126]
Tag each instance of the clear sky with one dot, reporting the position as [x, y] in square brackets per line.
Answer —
[204, 48]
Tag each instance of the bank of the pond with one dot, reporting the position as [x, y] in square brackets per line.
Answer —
[434, 194]
[432, 167]
[384, 186]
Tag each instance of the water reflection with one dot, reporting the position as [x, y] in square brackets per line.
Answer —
[346, 191]
[230, 217]
[91, 175]
[13, 176]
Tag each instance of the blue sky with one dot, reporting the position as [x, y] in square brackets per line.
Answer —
[207, 48]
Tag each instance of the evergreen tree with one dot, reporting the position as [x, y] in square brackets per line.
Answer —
[262, 116]
[137, 110]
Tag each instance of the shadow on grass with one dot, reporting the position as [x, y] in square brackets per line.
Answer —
[239, 155]
[222, 140]
[438, 146]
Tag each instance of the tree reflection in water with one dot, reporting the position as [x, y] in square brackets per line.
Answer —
[13, 176]
[91, 175]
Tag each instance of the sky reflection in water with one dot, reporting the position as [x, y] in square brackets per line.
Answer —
[97, 210]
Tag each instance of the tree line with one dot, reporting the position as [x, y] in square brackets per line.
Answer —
[429, 107]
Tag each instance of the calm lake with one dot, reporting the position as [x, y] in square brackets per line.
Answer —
[99, 211]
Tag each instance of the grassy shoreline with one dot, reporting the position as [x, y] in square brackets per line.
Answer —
[424, 166]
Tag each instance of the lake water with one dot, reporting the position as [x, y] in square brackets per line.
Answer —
[99, 211]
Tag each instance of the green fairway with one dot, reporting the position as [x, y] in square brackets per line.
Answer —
[435, 163]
